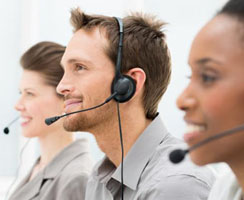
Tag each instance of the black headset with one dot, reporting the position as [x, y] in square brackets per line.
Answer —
[124, 85]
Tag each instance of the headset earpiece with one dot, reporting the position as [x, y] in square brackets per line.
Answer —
[124, 85]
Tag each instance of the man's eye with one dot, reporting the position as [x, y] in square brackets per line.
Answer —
[78, 67]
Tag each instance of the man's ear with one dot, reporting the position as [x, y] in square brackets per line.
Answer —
[139, 76]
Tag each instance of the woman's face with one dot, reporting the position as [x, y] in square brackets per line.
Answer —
[37, 101]
[214, 99]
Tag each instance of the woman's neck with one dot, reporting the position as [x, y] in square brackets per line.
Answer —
[52, 143]
[238, 169]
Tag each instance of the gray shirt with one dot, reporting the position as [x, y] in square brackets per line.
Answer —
[64, 178]
[148, 173]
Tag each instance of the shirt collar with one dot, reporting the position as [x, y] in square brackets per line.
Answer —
[63, 158]
[140, 153]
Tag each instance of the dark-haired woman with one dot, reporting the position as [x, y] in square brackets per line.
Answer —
[214, 99]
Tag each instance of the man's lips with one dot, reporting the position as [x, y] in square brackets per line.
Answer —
[70, 103]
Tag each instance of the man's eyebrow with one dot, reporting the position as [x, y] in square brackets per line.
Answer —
[76, 60]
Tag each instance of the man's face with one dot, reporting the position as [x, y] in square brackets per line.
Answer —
[87, 80]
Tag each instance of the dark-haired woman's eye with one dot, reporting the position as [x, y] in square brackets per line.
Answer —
[189, 77]
[208, 79]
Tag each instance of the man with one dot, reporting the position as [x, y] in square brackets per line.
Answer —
[89, 65]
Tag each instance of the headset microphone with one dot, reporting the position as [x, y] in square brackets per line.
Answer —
[6, 129]
[178, 155]
[51, 120]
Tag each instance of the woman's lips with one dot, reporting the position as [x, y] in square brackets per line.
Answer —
[193, 131]
[25, 120]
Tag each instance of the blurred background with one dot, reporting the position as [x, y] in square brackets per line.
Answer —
[26, 22]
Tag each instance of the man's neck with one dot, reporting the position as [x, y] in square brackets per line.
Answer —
[108, 136]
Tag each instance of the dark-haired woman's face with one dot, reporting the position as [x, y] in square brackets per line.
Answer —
[37, 101]
[214, 99]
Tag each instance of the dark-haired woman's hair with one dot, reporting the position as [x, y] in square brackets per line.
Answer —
[234, 8]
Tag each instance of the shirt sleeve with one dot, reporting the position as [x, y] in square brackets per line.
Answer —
[178, 187]
[74, 188]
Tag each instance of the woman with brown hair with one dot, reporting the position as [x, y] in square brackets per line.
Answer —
[63, 167]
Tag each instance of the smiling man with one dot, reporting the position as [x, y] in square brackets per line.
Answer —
[89, 64]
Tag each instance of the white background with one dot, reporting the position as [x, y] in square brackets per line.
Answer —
[26, 22]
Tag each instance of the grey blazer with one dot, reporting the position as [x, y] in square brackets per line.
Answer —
[64, 178]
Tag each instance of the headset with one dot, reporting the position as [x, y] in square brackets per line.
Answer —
[122, 84]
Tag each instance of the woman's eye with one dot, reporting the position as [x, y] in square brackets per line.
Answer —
[208, 78]
[29, 94]
[189, 77]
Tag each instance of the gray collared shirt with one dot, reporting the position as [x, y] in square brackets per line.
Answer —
[64, 178]
[148, 173]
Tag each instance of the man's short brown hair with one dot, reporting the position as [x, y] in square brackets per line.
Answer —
[144, 46]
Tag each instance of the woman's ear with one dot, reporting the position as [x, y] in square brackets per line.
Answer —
[139, 76]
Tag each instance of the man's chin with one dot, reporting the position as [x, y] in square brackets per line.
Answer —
[72, 125]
